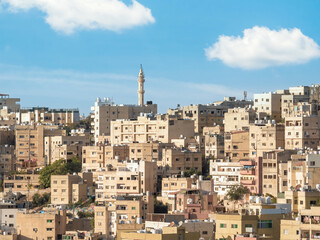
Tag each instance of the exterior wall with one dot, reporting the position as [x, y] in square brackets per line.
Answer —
[273, 180]
[302, 132]
[145, 129]
[101, 220]
[265, 138]
[238, 119]
[6, 136]
[227, 225]
[12, 104]
[46, 115]
[106, 111]
[236, 145]
[251, 175]
[7, 160]
[8, 219]
[96, 157]
[170, 185]
[225, 175]
[30, 144]
[47, 225]
[66, 189]
[20, 183]
[214, 145]
[177, 160]
[64, 147]
[269, 103]
[126, 178]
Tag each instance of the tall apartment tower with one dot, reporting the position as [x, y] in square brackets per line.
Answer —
[141, 89]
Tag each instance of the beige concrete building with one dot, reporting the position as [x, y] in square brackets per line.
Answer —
[47, 116]
[167, 233]
[305, 226]
[265, 137]
[64, 147]
[239, 119]
[129, 177]
[66, 189]
[297, 105]
[30, 144]
[300, 199]
[96, 157]
[214, 142]
[49, 224]
[269, 103]
[7, 119]
[274, 171]
[252, 222]
[175, 160]
[236, 145]
[208, 115]
[12, 104]
[23, 183]
[125, 212]
[302, 132]
[225, 174]
[7, 160]
[106, 111]
[174, 184]
[144, 129]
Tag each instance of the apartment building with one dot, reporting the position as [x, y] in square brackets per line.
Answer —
[266, 137]
[269, 104]
[46, 115]
[214, 142]
[47, 224]
[175, 160]
[8, 218]
[124, 212]
[251, 174]
[30, 143]
[7, 119]
[236, 145]
[293, 105]
[66, 189]
[208, 115]
[239, 119]
[104, 111]
[225, 174]
[167, 233]
[128, 177]
[23, 183]
[305, 226]
[174, 184]
[302, 132]
[274, 171]
[252, 222]
[7, 160]
[64, 147]
[11, 104]
[7, 137]
[300, 199]
[96, 157]
[147, 128]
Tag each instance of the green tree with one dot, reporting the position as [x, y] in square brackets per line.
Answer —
[192, 171]
[60, 167]
[237, 192]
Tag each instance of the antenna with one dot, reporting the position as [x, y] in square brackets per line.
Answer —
[245, 95]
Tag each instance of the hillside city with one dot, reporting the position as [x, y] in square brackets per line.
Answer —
[235, 169]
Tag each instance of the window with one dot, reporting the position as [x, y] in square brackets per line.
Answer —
[222, 225]
[234, 225]
[285, 231]
[204, 232]
[49, 220]
[133, 208]
[49, 229]
[265, 224]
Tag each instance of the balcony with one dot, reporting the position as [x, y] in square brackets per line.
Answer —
[247, 163]
[247, 171]
[247, 182]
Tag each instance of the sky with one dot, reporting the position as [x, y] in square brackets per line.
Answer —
[66, 53]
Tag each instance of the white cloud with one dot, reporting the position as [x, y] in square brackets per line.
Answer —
[261, 47]
[70, 15]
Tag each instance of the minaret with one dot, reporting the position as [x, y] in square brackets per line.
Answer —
[141, 90]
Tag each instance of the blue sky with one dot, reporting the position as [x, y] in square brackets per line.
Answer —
[48, 62]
